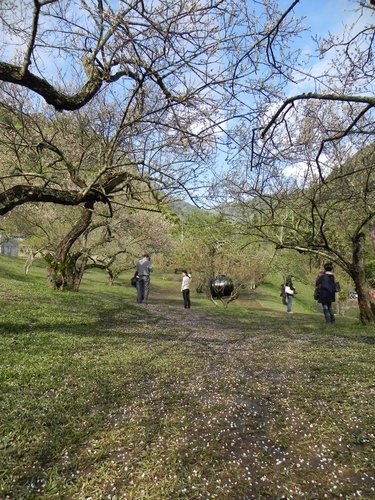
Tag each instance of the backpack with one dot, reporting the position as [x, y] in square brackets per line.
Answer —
[133, 281]
[283, 295]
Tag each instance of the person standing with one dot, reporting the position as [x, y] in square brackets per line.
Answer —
[142, 273]
[185, 288]
[326, 290]
[289, 292]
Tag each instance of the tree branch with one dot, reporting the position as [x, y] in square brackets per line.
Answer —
[21, 76]
[322, 97]
[19, 195]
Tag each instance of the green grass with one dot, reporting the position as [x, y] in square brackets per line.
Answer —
[102, 398]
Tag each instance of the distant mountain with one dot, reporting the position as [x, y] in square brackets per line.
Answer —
[181, 207]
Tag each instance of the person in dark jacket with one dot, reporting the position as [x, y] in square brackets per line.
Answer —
[289, 293]
[326, 290]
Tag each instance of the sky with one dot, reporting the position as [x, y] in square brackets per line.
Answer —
[324, 15]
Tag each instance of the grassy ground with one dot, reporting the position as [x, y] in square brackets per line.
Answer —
[102, 398]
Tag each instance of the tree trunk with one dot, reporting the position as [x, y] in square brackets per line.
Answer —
[74, 274]
[111, 276]
[66, 275]
[63, 273]
[358, 274]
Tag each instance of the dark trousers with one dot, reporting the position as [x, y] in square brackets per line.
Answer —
[186, 297]
[143, 289]
[328, 312]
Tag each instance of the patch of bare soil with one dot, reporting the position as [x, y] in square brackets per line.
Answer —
[196, 323]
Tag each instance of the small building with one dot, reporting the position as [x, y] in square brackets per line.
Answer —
[9, 246]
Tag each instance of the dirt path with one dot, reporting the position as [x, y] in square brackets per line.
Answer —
[193, 321]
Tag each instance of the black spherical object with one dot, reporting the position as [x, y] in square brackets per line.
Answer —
[221, 286]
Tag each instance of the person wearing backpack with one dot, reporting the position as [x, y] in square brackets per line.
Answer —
[283, 294]
[290, 291]
[326, 290]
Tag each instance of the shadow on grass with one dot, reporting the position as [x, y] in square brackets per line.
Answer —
[140, 323]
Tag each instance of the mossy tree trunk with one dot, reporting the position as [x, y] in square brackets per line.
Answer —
[366, 309]
[65, 269]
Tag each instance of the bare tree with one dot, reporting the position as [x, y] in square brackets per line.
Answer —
[173, 72]
[123, 238]
[72, 240]
[327, 219]
[336, 84]
[67, 52]
[304, 174]
[88, 157]
[92, 44]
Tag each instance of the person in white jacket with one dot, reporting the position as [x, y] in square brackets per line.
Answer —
[185, 288]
